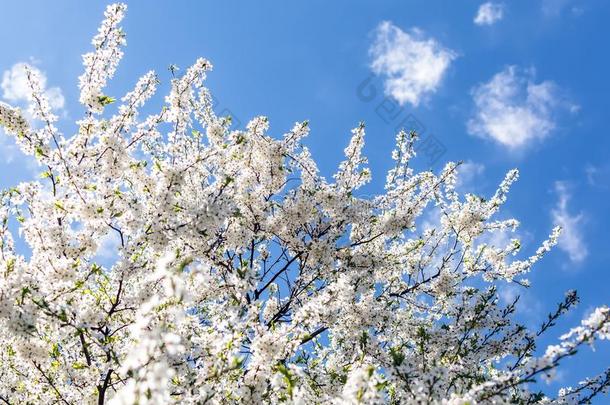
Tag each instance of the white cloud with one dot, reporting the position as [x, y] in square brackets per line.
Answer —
[16, 91]
[108, 248]
[8, 148]
[467, 174]
[499, 238]
[554, 8]
[413, 65]
[513, 110]
[489, 13]
[571, 239]
[15, 87]
[598, 176]
[529, 308]
[56, 98]
[10, 153]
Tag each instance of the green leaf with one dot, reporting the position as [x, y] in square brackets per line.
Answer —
[10, 265]
[288, 378]
[55, 351]
[105, 100]
[39, 152]
[397, 356]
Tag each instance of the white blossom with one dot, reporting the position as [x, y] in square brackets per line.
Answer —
[240, 275]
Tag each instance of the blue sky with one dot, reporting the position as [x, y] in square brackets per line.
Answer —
[523, 85]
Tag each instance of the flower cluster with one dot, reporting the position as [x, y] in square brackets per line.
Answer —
[101, 64]
[238, 274]
[12, 120]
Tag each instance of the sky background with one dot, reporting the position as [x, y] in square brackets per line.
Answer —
[516, 84]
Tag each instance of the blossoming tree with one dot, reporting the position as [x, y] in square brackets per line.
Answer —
[242, 275]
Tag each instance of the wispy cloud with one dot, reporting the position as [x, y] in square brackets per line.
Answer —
[554, 8]
[513, 110]
[15, 87]
[571, 240]
[412, 64]
[468, 174]
[489, 13]
[530, 309]
[8, 148]
[598, 176]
